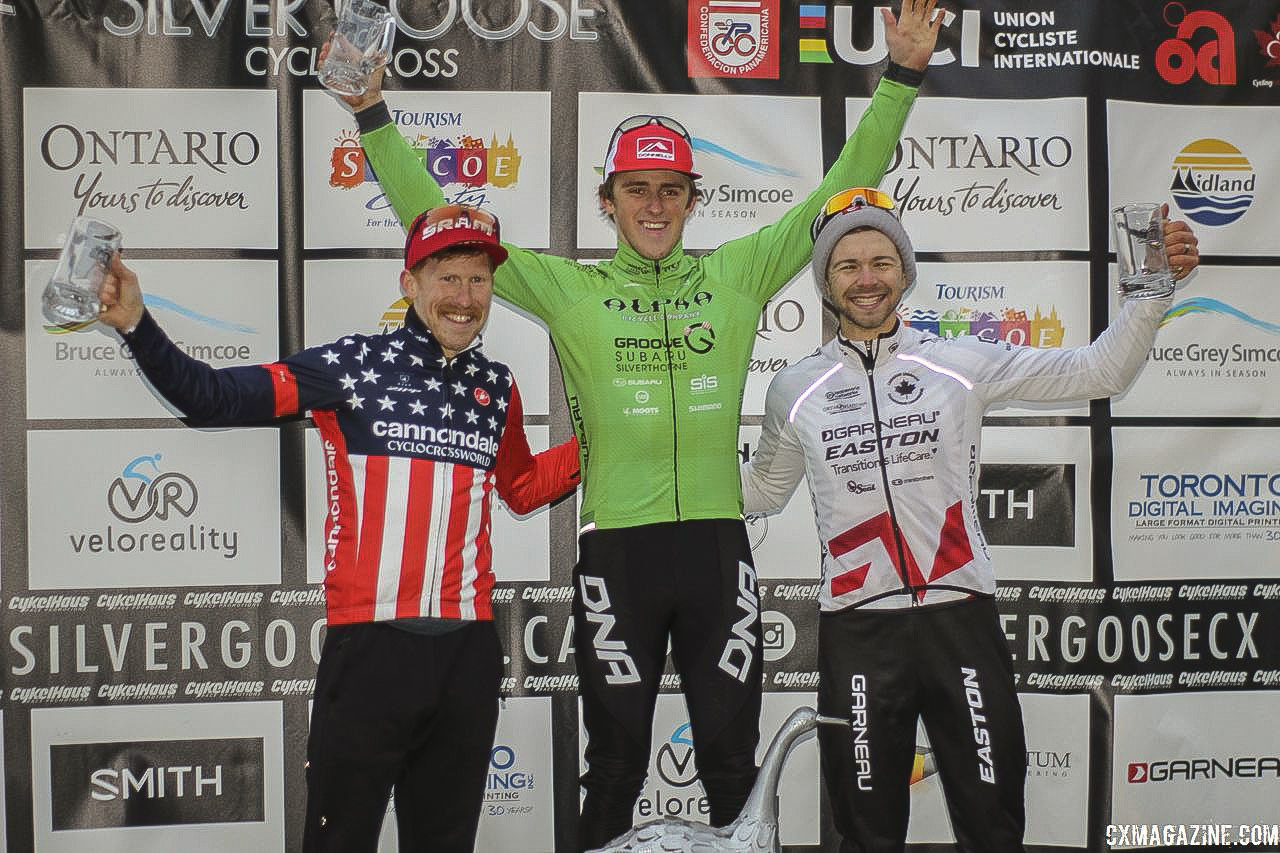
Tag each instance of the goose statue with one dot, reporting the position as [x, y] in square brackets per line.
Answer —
[754, 831]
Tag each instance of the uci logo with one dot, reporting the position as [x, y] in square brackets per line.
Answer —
[152, 496]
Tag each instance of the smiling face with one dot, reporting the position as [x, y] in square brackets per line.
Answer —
[451, 293]
[865, 283]
[649, 209]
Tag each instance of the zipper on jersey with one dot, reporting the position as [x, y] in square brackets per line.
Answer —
[671, 378]
[868, 362]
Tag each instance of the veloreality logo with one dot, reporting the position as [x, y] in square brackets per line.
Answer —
[675, 758]
[136, 495]
[1213, 182]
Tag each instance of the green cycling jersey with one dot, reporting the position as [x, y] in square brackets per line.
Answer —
[655, 352]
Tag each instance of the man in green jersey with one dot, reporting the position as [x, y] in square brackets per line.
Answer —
[663, 551]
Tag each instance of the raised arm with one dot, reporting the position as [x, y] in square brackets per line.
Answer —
[527, 481]
[763, 262]
[777, 466]
[208, 396]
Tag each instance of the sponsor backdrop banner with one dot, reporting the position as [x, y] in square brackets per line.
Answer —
[161, 608]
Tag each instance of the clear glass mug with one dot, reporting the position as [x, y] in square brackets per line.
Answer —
[1140, 255]
[71, 296]
[359, 45]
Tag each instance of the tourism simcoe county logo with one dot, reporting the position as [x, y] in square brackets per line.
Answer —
[733, 38]
[1010, 325]
[466, 160]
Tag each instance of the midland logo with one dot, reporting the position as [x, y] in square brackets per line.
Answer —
[464, 162]
[1204, 769]
[144, 493]
[1213, 182]
[1203, 45]
[733, 38]
[814, 43]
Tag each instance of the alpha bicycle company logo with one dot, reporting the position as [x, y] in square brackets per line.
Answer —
[1213, 182]
[733, 38]
[1203, 45]
[1010, 325]
[465, 161]
[138, 495]
[814, 42]
[675, 758]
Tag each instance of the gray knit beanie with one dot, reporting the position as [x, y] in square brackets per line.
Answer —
[863, 216]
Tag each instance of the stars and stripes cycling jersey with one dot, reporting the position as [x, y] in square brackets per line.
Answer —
[888, 433]
[414, 445]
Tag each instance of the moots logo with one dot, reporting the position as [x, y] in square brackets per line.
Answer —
[156, 783]
[905, 388]
[154, 494]
[1203, 44]
[1253, 767]
[675, 759]
[1010, 325]
[778, 635]
[813, 42]
[507, 782]
[1213, 182]
[733, 38]
[467, 163]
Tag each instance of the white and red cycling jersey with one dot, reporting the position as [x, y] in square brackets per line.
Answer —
[888, 432]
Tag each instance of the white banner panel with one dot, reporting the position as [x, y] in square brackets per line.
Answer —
[1212, 165]
[521, 544]
[783, 545]
[1057, 789]
[169, 167]
[990, 175]
[158, 778]
[488, 149]
[1218, 350]
[790, 329]
[674, 790]
[1037, 513]
[753, 170]
[221, 312]
[345, 297]
[517, 809]
[1194, 502]
[1042, 304]
[173, 507]
[1195, 758]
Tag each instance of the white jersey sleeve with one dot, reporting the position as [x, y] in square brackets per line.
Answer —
[777, 466]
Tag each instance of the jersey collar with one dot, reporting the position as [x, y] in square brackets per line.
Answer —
[672, 269]
[875, 352]
[420, 337]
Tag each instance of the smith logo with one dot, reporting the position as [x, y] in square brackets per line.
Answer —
[1205, 769]
[156, 783]
[733, 38]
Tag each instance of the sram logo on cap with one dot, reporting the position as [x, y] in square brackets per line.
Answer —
[655, 148]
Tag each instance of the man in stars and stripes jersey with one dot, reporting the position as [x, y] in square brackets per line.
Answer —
[418, 429]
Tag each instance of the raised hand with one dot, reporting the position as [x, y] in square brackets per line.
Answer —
[1179, 246]
[120, 296]
[913, 34]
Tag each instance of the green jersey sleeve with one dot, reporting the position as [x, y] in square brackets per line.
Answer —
[760, 264]
[538, 283]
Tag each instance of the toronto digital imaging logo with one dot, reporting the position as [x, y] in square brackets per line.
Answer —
[1213, 182]
[733, 38]
[507, 783]
[465, 166]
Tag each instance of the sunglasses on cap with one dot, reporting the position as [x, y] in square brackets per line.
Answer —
[853, 198]
[637, 122]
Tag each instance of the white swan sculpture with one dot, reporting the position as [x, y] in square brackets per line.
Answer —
[756, 828]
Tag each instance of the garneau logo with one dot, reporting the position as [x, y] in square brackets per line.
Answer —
[1206, 769]
[156, 783]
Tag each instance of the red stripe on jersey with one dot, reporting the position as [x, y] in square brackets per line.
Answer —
[954, 550]
[455, 540]
[285, 388]
[417, 519]
[364, 588]
[484, 554]
[849, 581]
[342, 517]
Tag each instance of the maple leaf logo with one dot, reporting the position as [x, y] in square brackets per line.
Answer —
[1269, 43]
